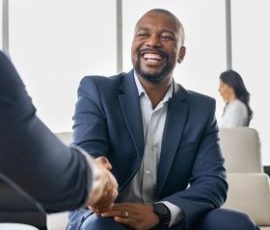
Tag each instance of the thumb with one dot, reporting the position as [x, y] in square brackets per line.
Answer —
[104, 162]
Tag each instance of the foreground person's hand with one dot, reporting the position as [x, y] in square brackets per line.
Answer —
[104, 188]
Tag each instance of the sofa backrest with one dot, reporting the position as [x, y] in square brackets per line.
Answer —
[241, 149]
[249, 190]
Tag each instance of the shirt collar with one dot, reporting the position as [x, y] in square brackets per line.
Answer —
[141, 90]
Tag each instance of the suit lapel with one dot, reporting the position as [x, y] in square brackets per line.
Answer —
[174, 126]
[131, 109]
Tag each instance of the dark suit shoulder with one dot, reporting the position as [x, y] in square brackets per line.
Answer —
[103, 80]
[200, 97]
[201, 108]
[193, 96]
[95, 87]
[198, 104]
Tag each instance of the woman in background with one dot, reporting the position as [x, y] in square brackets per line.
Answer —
[237, 111]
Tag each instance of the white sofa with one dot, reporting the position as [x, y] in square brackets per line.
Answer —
[249, 189]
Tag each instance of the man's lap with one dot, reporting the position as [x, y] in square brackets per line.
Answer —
[222, 219]
[84, 219]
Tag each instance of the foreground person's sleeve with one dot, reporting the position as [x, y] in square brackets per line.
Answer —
[57, 176]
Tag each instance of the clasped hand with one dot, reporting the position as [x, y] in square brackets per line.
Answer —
[104, 188]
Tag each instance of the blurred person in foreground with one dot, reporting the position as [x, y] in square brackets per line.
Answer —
[55, 175]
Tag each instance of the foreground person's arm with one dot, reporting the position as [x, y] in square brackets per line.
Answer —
[57, 176]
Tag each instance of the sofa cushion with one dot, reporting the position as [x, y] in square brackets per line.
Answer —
[57, 221]
[12, 226]
[250, 193]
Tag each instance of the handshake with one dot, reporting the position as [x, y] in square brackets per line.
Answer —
[104, 186]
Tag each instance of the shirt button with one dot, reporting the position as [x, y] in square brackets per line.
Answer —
[147, 171]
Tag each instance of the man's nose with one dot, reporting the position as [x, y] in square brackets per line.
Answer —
[153, 41]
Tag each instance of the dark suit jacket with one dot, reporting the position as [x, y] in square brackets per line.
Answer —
[30, 154]
[108, 122]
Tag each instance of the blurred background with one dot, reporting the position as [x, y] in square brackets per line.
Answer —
[54, 43]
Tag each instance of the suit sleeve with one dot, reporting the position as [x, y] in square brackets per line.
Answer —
[90, 128]
[55, 175]
[208, 186]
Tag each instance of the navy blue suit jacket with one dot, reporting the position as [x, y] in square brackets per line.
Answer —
[108, 122]
[31, 156]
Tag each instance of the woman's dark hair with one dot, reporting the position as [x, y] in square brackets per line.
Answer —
[234, 80]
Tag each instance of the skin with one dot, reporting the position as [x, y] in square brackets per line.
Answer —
[104, 188]
[226, 92]
[157, 45]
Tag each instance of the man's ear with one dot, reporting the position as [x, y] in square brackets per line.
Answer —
[181, 54]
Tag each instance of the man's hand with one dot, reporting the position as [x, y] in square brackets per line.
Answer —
[104, 188]
[137, 216]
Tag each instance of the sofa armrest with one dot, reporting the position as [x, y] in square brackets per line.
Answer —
[57, 221]
[250, 193]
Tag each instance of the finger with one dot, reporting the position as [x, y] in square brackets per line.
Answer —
[123, 220]
[109, 214]
[94, 209]
[105, 162]
[102, 191]
[99, 210]
[122, 206]
[106, 200]
[119, 213]
[103, 208]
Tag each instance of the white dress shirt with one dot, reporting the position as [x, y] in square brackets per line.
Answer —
[143, 186]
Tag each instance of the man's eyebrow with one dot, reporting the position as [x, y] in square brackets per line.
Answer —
[141, 28]
[162, 31]
[168, 31]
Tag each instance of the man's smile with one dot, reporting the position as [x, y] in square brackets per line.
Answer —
[150, 56]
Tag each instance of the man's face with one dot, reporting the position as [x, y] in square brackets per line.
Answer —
[156, 46]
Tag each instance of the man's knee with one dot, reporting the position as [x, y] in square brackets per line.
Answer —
[94, 222]
[224, 219]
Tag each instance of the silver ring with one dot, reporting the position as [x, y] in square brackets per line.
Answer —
[126, 214]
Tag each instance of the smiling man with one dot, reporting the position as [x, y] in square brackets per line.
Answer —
[161, 139]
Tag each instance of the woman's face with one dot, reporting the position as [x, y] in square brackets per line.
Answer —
[225, 91]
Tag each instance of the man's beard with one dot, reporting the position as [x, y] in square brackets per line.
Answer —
[154, 78]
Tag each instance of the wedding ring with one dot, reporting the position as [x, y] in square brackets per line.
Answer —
[126, 214]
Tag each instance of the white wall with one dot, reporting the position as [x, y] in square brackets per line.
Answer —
[55, 43]
[1, 25]
[251, 50]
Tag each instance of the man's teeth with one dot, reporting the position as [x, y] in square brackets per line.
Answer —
[152, 56]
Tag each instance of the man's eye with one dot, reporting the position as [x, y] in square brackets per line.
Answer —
[142, 35]
[167, 38]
